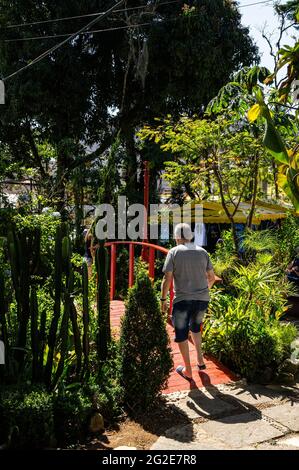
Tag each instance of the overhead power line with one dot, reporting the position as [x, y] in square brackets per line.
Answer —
[84, 29]
[69, 38]
[93, 31]
[256, 3]
[88, 15]
[53, 36]
[67, 18]
[116, 28]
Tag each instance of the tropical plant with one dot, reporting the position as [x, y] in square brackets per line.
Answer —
[38, 303]
[288, 159]
[243, 337]
[283, 95]
[103, 303]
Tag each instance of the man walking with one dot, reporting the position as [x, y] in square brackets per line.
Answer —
[190, 267]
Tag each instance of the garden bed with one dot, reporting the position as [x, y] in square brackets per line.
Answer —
[140, 432]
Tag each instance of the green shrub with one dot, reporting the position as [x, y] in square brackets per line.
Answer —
[288, 236]
[246, 340]
[145, 353]
[283, 335]
[105, 388]
[224, 256]
[72, 409]
[26, 418]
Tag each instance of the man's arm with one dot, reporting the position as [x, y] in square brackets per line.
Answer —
[211, 278]
[165, 286]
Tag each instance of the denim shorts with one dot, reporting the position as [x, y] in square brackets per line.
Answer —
[188, 315]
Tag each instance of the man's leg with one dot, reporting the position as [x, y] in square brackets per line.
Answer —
[180, 319]
[184, 350]
[197, 317]
[196, 337]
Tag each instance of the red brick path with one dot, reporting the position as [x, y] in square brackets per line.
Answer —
[214, 374]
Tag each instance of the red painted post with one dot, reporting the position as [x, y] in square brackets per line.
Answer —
[144, 252]
[131, 264]
[151, 263]
[146, 200]
[112, 271]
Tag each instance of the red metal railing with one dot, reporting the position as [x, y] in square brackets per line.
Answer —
[151, 263]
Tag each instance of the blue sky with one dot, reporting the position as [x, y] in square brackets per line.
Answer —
[258, 17]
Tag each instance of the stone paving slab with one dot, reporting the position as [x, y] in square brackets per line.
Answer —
[252, 395]
[188, 437]
[273, 427]
[289, 442]
[285, 443]
[200, 403]
[287, 415]
[241, 430]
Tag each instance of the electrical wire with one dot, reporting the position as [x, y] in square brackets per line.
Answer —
[84, 28]
[53, 36]
[256, 3]
[84, 32]
[67, 18]
[57, 46]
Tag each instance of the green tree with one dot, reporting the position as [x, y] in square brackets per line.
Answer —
[221, 153]
[87, 91]
[145, 353]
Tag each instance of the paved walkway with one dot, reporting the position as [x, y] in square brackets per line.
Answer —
[235, 416]
[215, 373]
[223, 413]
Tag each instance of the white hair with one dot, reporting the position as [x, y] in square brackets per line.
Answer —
[183, 231]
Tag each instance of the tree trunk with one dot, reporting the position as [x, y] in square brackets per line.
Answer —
[226, 210]
[79, 212]
[131, 170]
[60, 186]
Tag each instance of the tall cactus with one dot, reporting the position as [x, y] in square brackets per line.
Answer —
[77, 337]
[64, 327]
[42, 342]
[3, 323]
[85, 315]
[103, 303]
[57, 305]
[34, 334]
[20, 268]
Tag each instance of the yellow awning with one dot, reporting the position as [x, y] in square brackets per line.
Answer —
[213, 212]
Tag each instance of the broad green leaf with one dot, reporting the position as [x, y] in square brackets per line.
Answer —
[273, 141]
[284, 184]
[259, 96]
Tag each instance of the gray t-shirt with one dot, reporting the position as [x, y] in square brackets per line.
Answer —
[189, 264]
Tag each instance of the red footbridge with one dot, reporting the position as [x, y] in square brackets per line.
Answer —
[215, 373]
